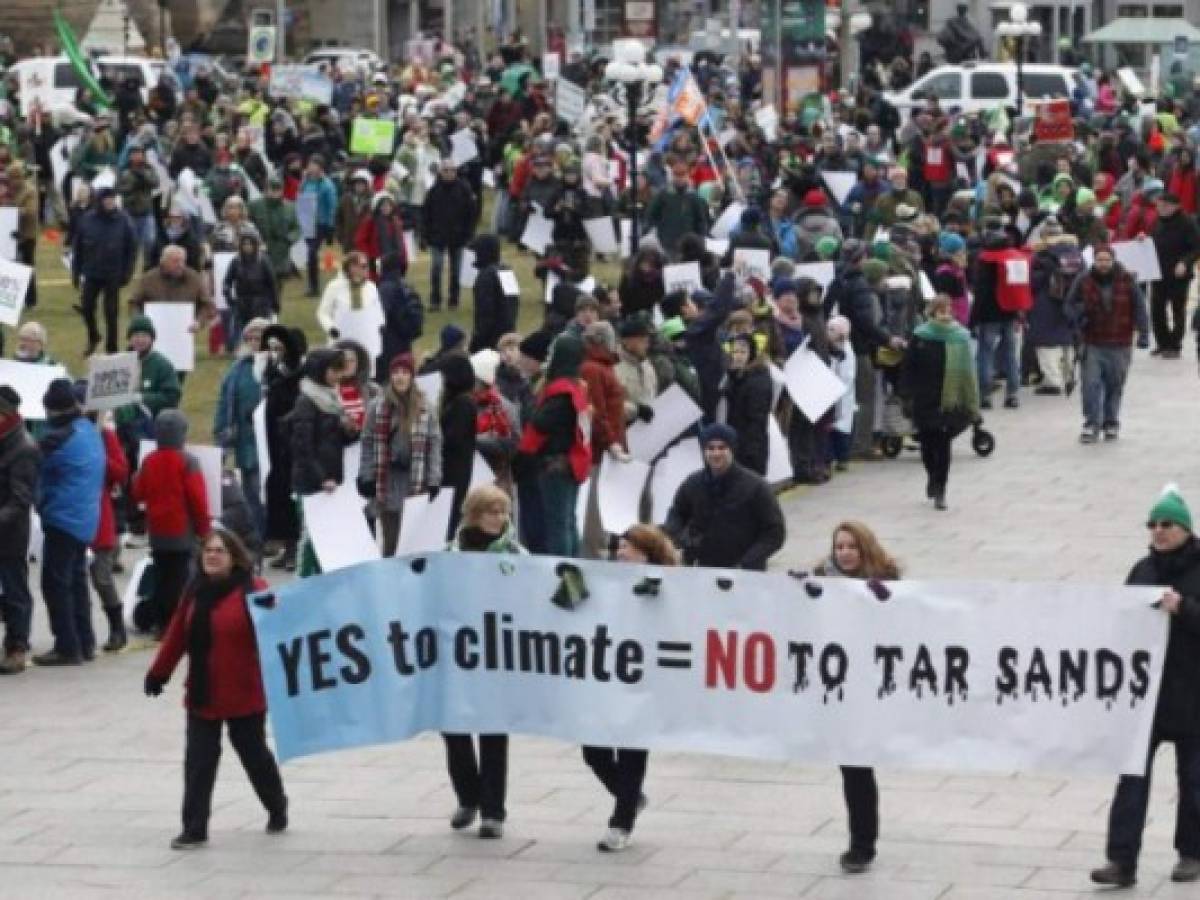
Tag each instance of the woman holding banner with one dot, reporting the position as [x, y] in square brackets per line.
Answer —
[480, 784]
[623, 770]
[856, 553]
[223, 687]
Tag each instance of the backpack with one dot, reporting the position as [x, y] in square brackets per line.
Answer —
[1068, 263]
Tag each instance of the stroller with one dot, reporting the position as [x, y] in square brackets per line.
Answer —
[897, 426]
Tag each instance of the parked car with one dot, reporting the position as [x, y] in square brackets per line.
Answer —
[347, 59]
[52, 79]
[975, 87]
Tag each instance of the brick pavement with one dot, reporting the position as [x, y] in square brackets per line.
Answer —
[90, 770]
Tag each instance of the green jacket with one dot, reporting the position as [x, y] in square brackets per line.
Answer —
[506, 543]
[136, 187]
[277, 223]
[160, 389]
[673, 213]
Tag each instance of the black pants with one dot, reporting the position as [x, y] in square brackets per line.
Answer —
[1169, 295]
[26, 251]
[171, 570]
[935, 454]
[111, 291]
[249, 738]
[1127, 815]
[622, 772]
[862, 807]
[479, 784]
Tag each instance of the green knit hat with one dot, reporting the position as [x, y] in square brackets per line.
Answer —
[142, 324]
[875, 270]
[1171, 508]
[827, 246]
[672, 328]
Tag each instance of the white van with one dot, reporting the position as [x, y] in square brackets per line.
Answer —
[52, 79]
[975, 87]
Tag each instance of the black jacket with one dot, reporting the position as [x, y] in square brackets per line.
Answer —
[19, 467]
[1177, 240]
[731, 522]
[403, 319]
[196, 157]
[105, 247]
[251, 288]
[856, 301]
[748, 395]
[923, 374]
[1178, 710]
[317, 444]
[457, 419]
[495, 311]
[449, 213]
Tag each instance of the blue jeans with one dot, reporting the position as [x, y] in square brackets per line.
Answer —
[1002, 334]
[146, 229]
[1104, 371]
[437, 260]
[65, 589]
[16, 605]
[559, 492]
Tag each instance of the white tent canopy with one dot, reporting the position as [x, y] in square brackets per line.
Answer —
[107, 31]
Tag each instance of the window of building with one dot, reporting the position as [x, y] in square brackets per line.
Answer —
[988, 86]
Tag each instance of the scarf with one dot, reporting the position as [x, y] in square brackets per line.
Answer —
[356, 291]
[386, 434]
[206, 592]
[324, 397]
[959, 390]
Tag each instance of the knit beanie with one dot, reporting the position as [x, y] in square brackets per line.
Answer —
[141, 325]
[403, 361]
[718, 431]
[484, 363]
[827, 246]
[1171, 508]
[170, 429]
[59, 397]
[451, 336]
[950, 243]
[875, 270]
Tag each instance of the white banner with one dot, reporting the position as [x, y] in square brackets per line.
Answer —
[14, 283]
[113, 381]
[986, 676]
[8, 233]
[30, 381]
[174, 337]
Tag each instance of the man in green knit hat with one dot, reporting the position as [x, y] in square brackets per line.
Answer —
[1174, 563]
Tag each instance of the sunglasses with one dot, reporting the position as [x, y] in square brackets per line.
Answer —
[1162, 525]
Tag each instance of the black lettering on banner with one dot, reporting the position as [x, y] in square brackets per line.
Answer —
[923, 675]
[834, 665]
[426, 647]
[629, 662]
[465, 654]
[575, 659]
[1038, 675]
[674, 654]
[600, 644]
[539, 652]
[1110, 675]
[1007, 681]
[957, 661]
[398, 638]
[889, 656]
[800, 653]
[1072, 674]
[290, 655]
[359, 668]
[318, 656]
[1139, 682]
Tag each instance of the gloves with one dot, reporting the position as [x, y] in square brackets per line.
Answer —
[617, 452]
[645, 413]
[433, 493]
[153, 686]
[366, 488]
[1143, 341]
[334, 334]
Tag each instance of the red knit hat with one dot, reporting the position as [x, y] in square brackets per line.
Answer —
[815, 197]
[403, 361]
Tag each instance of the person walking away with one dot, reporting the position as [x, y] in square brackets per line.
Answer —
[724, 515]
[556, 445]
[1177, 242]
[495, 310]
[940, 380]
[320, 196]
[1174, 564]
[747, 392]
[223, 687]
[105, 547]
[401, 449]
[480, 781]
[622, 770]
[103, 255]
[170, 485]
[281, 386]
[1057, 262]
[19, 472]
[1107, 307]
[403, 314]
[856, 553]
[233, 421]
[449, 221]
[70, 483]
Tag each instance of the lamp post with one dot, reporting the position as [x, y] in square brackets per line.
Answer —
[1018, 27]
[630, 69]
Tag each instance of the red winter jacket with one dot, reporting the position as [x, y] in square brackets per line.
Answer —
[366, 240]
[235, 686]
[1140, 218]
[608, 400]
[171, 486]
[116, 470]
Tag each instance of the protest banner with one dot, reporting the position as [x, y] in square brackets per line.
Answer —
[539, 232]
[301, 83]
[985, 676]
[425, 523]
[779, 457]
[840, 184]
[669, 473]
[509, 284]
[820, 272]
[262, 448]
[725, 222]
[463, 148]
[1139, 257]
[674, 411]
[221, 262]
[174, 336]
[1052, 121]
[619, 492]
[601, 235]
[467, 273]
[112, 381]
[306, 216]
[682, 277]
[30, 381]
[570, 100]
[338, 529]
[811, 384]
[14, 283]
[8, 233]
[752, 262]
[363, 326]
[372, 137]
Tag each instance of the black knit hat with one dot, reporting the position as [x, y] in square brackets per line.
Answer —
[60, 397]
[10, 400]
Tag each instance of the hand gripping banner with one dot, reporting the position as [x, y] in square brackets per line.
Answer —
[985, 676]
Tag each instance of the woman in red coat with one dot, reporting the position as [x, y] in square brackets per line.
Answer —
[224, 685]
[382, 233]
[607, 399]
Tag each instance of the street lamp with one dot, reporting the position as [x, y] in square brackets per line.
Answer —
[630, 69]
[1018, 27]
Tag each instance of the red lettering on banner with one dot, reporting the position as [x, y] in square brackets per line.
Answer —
[721, 658]
[758, 663]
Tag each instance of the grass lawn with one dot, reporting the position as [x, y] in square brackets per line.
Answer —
[68, 336]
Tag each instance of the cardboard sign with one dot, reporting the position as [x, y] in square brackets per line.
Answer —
[113, 381]
[682, 277]
[1053, 121]
[14, 283]
[301, 83]
[570, 100]
[372, 137]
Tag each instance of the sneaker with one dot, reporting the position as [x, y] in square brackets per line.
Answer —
[185, 841]
[1011, 403]
[985, 403]
[1114, 876]
[14, 662]
[1171, 354]
[491, 829]
[614, 841]
[1089, 435]
[1112, 432]
[1048, 390]
[463, 817]
[1187, 869]
[277, 822]
[855, 862]
[54, 658]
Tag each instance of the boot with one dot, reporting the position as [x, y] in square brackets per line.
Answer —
[287, 559]
[117, 639]
[15, 662]
[939, 499]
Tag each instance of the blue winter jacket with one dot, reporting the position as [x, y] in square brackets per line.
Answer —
[326, 199]
[72, 479]
[233, 423]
